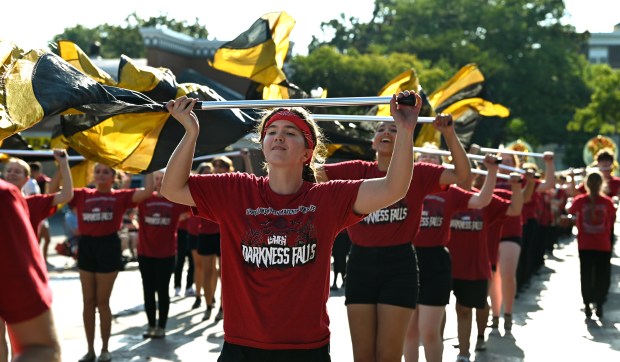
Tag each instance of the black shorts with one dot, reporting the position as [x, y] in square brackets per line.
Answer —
[382, 275]
[100, 254]
[237, 353]
[209, 244]
[471, 293]
[192, 241]
[511, 239]
[435, 268]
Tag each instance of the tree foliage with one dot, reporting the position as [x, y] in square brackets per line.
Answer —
[356, 75]
[115, 40]
[532, 62]
[602, 114]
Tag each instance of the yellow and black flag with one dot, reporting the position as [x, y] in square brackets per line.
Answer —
[463, 96]
[408, 80]
[143, 142]
[36, 84]
[259, 52]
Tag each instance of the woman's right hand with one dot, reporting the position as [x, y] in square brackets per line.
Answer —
[181, 110]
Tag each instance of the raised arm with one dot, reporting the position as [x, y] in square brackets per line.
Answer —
[484, 196]
[549, 181]
[146, 191]
[516, 201]
[65, 194]
[247, 162]
[462, 170]
[174, 185]
[378, 193]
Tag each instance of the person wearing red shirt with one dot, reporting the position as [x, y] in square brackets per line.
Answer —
[596, 215]
[183, 252]
[277, 231]
[40, 206]
[382, 274]
[605, 164]
[100, 216]
[504, 245]
[209, 248]
[158, 219]
[434, 262]
[26, 299]
[471, 268]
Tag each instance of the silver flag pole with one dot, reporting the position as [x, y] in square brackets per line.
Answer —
[362, 118]
[511, 152]
[303, 102]
[479, 172]
[469, 155]
[41, 153]
[215, 155]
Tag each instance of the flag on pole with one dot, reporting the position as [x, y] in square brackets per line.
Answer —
[36, 84]
[463, 96]
[408, 80]
[143, 142]
[259, 52]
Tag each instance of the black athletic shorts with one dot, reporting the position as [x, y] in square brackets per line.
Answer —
[471, 293]
[192, 241]
[435, 269]
[209, 244]
[382, 275]
[237, 353]
[100, 254]
[512, 239]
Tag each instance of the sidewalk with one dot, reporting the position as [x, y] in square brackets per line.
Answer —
[549, 324]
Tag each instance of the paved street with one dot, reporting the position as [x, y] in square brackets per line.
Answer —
[549, 322]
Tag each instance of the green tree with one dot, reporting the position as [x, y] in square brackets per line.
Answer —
[356, 75]
[115, 40]
[602, 114]
[532, 62]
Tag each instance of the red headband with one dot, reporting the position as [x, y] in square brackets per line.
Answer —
[296, 120]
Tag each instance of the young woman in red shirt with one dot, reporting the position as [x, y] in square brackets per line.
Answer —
[382, 274]
[100, 215]
[596, 215]
[277, 231]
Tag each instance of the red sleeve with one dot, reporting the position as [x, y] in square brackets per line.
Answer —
[25, 291]
[41, 207]
[348, 170]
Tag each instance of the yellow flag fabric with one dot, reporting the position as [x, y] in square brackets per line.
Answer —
[462, 96]
[407, 80]
[259, 52]
[143, 142]
[37, 84]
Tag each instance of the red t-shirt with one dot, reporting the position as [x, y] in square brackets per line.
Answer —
[101, 214]
[193, 225]
[468, 243]
[209, 227]
[545, 216]
[437, 208]
[24, 285]
[40, 206]
[512, 226]
[276, 255]
[397, 224]
[158, 220]
[531, 208]
[494, 231]
[183, 224]
[594, 222]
